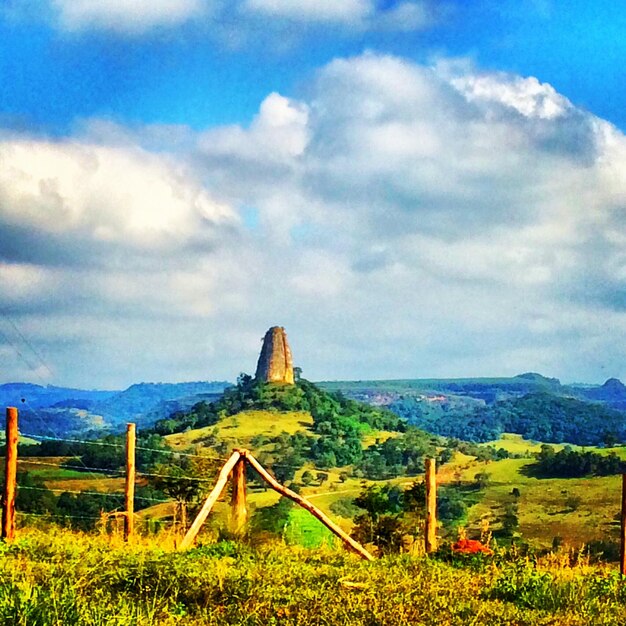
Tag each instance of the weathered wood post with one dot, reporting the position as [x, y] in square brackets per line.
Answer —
[298, 499]
[130, 482]
[430, 531]
[10, 475]
[239, 512]
[222, 479]
[622, 559]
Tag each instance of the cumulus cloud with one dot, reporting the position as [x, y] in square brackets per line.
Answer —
[107, 195]
[401, 220]
[470, 196]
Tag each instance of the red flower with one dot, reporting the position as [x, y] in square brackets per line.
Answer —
[470, 546]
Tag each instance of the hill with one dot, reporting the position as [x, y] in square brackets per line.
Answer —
[485, 389]
[145, 403]
[38, 396]
[335, 438]
[61, 411]
[481, 409]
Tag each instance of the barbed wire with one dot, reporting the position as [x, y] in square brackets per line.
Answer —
[28, 344]
[119, 473]
[79, 468]
[138, 520]
[171, 477]
[58, 516]
[92, 442]
[91, 493]
[68, 440]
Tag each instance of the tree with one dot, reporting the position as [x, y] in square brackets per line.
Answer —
[414, 500]
[183, 482]
[450, 505]
[307, 478]
[322, 477]
[510, 520]
[382, 523]
[482, 480]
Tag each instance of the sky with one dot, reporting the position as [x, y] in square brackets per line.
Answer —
[412, 188]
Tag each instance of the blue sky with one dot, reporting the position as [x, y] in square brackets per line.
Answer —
[188, 73]
[439, 183]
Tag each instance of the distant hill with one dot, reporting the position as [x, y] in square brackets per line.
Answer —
[536, 416]
[37, 396]
[480, 409]
[486, 389]
[62, 411]
[146, 403]
[613, 393]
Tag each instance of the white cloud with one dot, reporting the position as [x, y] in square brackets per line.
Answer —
[344, 11]
[412, 221]
[239, 21]
[278, 133]
[104, 194]
[460, 201]
[126, 16]
[526, 95]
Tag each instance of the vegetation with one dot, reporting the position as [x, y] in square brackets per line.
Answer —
[540, 416]
[338, 426]
[49, 578]
[567, 463]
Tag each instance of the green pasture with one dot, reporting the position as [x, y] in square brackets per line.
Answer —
[53, 577]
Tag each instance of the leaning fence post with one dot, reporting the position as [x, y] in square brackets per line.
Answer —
[10, 475]
[622, 559]
[430, 531]
[239, 512]
[222, 478]
[130, 482]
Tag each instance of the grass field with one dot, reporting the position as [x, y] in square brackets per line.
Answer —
[240, 429]
[58, 578]
[577, 510]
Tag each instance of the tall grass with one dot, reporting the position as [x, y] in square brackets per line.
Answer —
[71, 579]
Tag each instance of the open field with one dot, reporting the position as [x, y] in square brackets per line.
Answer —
[240, 429]
[576, 510]
[516, 444]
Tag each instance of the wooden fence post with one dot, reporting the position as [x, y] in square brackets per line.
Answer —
[130, 481]
[239, 511]
[622, 560]
[305, 504]
[430, 531]
[222, 478]
[10, 475]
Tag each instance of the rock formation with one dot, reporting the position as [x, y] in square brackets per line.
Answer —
[275, 363]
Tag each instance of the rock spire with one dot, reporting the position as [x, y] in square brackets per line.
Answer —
[275, 363]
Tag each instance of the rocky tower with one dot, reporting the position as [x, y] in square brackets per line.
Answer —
[275, 364]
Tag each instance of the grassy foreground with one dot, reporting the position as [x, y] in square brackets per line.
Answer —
[64, 578]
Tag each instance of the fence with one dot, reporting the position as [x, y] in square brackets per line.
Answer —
[122, 495]
[233, 468]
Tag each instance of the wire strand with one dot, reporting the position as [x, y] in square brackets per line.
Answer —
[91, 493]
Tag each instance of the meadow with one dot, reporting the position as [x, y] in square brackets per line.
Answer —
[301, 575]
[71, 579]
